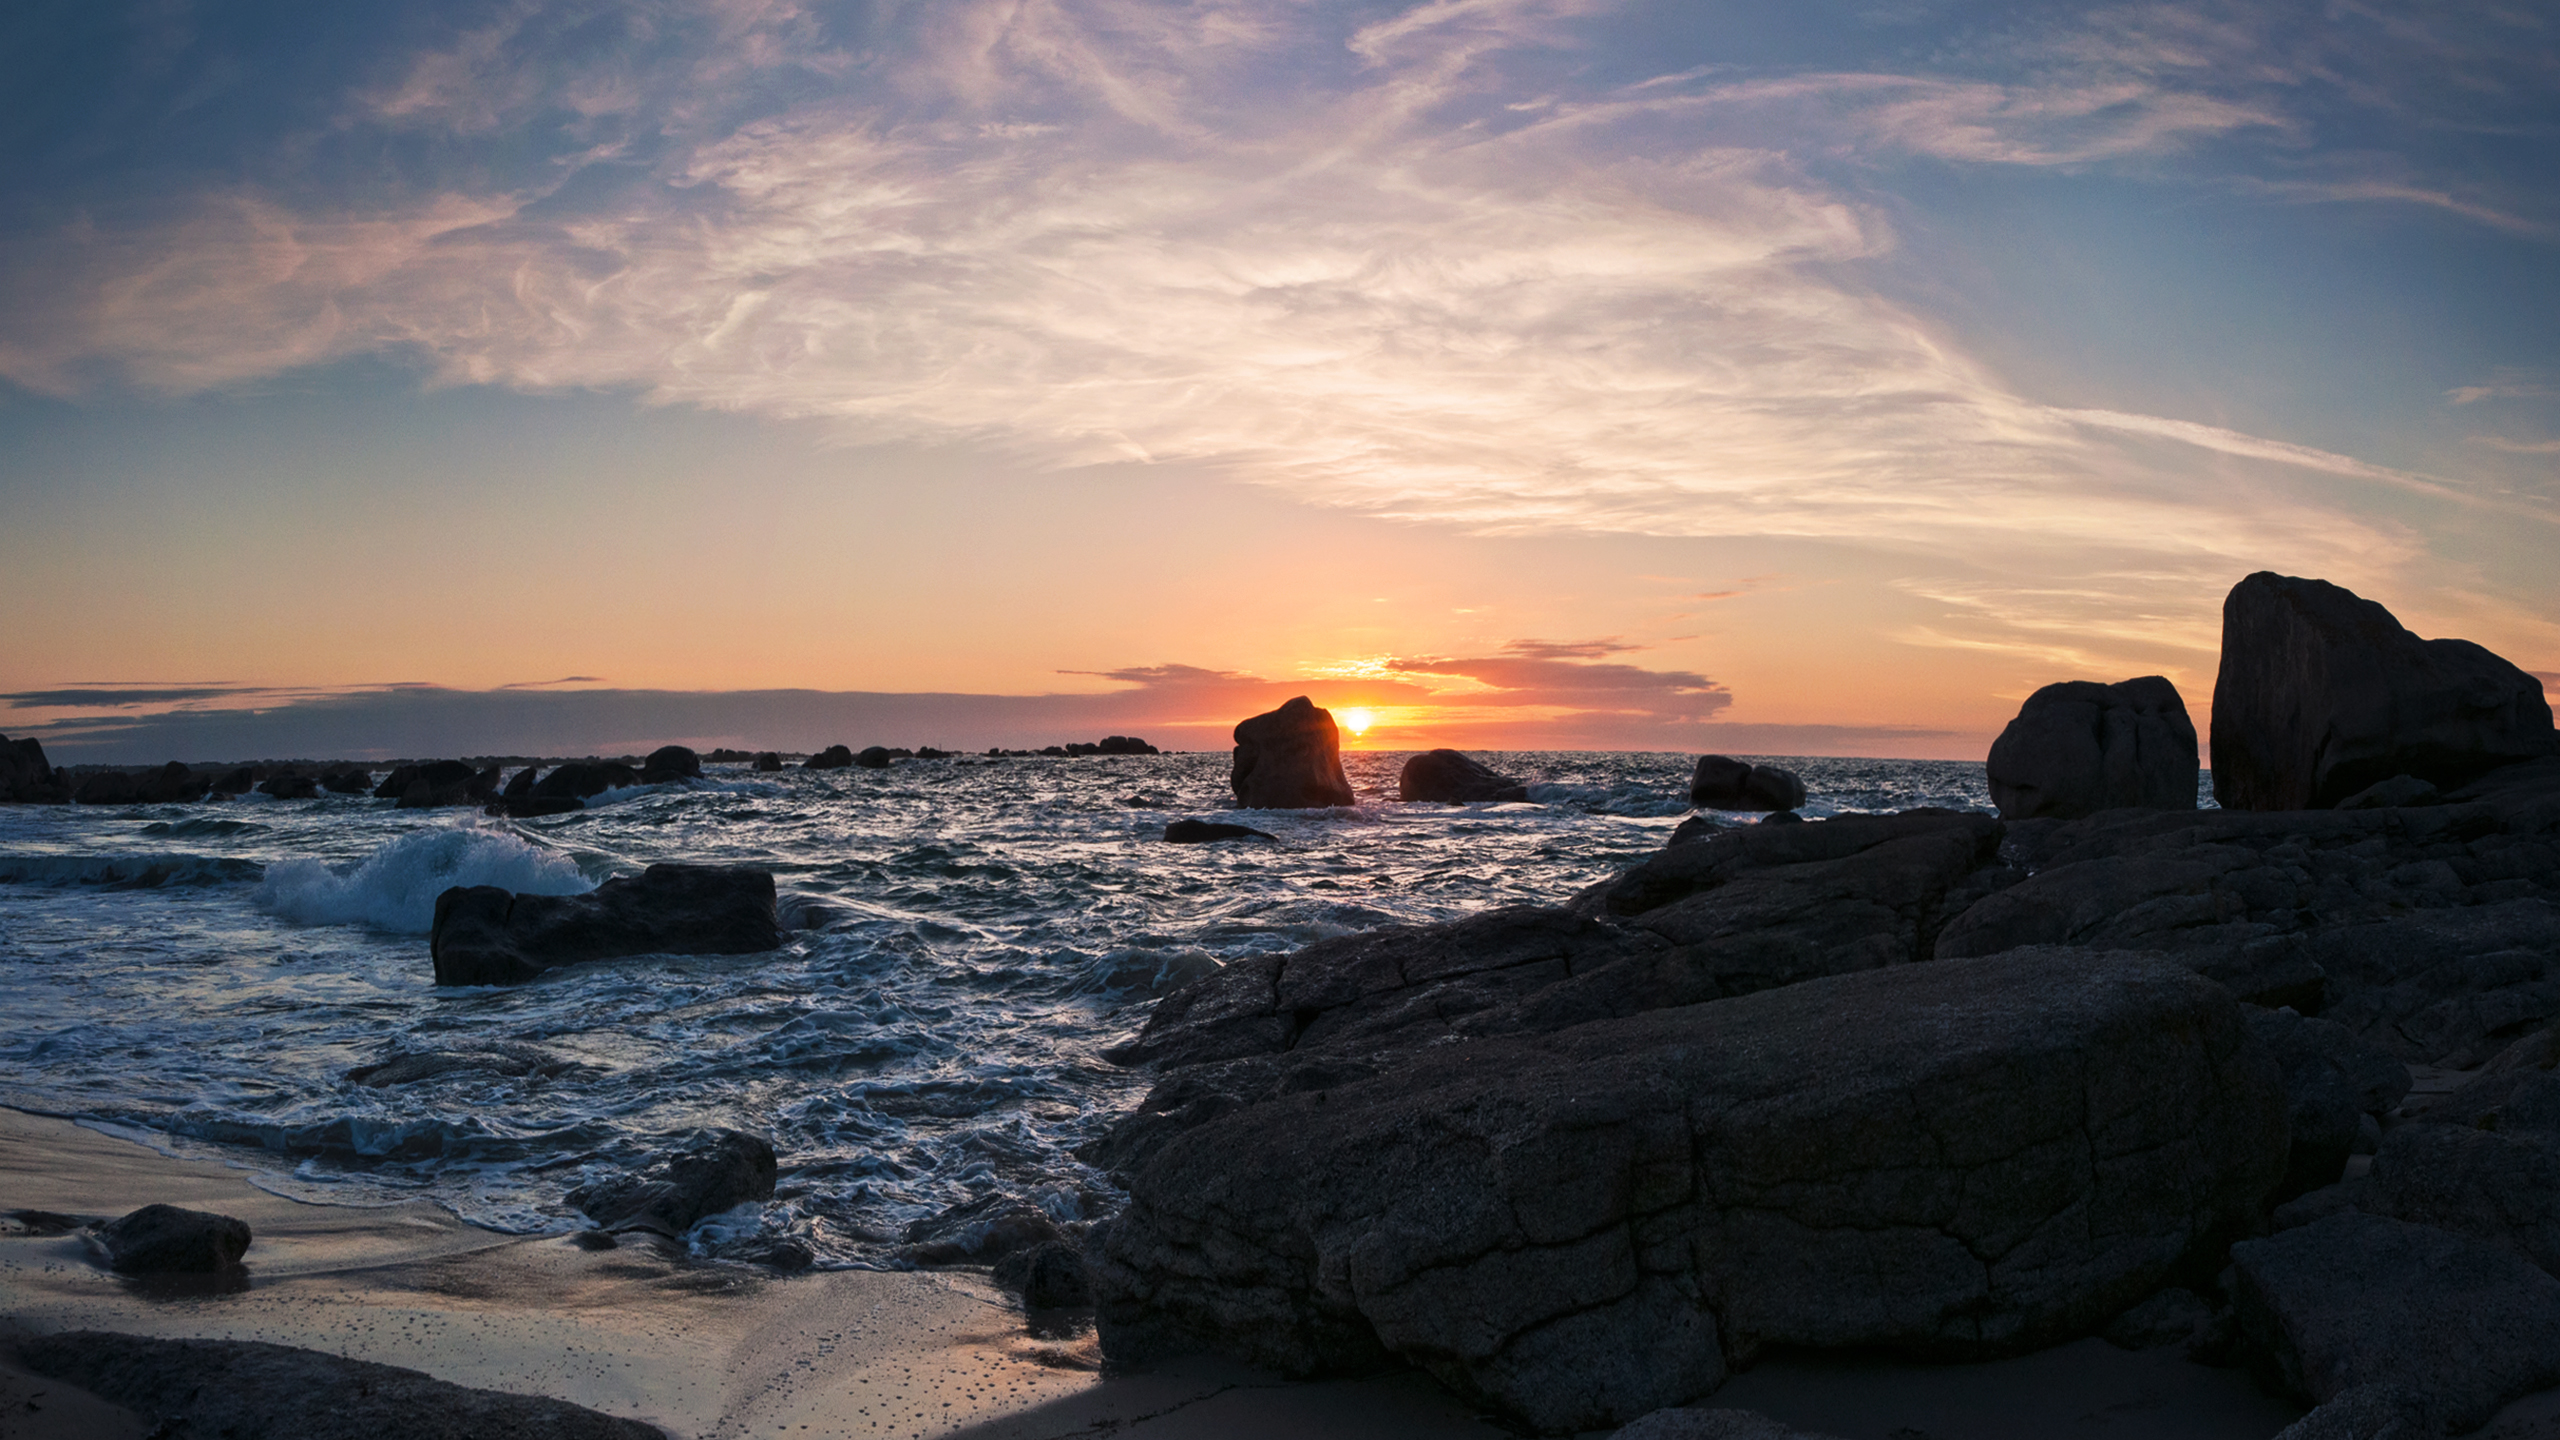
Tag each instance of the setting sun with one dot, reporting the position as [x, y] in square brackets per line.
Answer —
[1355, 721]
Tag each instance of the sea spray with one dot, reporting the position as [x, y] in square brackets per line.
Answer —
[395, 888]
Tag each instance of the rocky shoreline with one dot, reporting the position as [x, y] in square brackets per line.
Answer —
[1935, 1083]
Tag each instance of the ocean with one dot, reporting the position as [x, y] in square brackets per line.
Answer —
[971, 935]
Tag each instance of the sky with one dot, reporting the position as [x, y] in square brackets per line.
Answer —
[1800, 378]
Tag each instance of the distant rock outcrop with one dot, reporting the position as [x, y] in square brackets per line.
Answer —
[290, 787]
[834, 757]
[347, 782]
[25, 776]
[487, 936]
[1290, 759]
[2079, 747]
[580, 779]
[1724, 783]
[1454, 778]
[767, 762]
[873, 757]
[2322, 694]
[670, 762]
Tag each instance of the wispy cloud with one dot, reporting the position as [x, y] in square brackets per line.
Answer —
[1096, 232]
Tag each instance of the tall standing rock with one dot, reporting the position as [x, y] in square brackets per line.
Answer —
[2079, 747]
[2323, 693]
[1290, 759]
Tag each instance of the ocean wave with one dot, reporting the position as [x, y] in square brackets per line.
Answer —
[395, 888]
[199, 827]
[1641, 799]
[127, 872]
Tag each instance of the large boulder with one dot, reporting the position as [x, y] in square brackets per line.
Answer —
[670, 762]
[873, 757]
[171, 784]
[2079, 747]
[487, 936]
[767, 762]
[347, 782]
[2323, 694]
[834, 757]
[1959, 1159]
[251, 1390]
[1290, 759]
[1453, 778]
[713, 1171]
[166, 1240]
[580, 779]
[1724, 783]
[2360, 1300]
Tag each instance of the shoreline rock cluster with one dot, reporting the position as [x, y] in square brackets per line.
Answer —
[1933, 1082]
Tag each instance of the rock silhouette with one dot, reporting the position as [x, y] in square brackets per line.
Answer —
[1290, 759]
[1453, 778]
[2078, 747]
[1724, 783]
[2322, 693]
[487, 936]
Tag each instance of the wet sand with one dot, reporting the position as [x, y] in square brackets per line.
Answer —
[721, 1351]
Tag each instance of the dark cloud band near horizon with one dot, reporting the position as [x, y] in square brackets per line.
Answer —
[421, 722]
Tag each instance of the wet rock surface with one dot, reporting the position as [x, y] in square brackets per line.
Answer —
[2323, 693]
[484, 935]
[1202, 832]
[1724, 783]
[713, 1171]
[166, 1240]
[1454, 778]
[1290, 759]
[1956, 1159]
[249, 1390]
[2078, 748]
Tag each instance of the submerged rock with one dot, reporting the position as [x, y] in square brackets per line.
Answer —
[713, 1171]
[2077, 748]
[991, 1227]
[2323, 693]
[487, 936]
[250, 1390]
[165, 1240]
[1290, 759]
[1453, 778]
[490, 1057]
[1199, 832]
[1724, 783]
[1961, 1159]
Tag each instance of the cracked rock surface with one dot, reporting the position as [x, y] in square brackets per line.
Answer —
[1959, 1159]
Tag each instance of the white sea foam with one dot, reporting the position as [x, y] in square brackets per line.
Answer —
[396, 886]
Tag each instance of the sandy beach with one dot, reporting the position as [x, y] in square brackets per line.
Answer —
[728, 1352]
